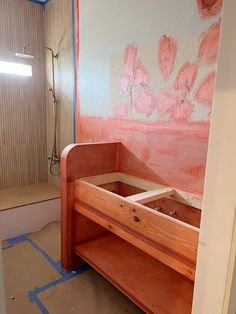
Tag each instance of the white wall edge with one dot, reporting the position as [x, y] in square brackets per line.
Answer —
[29, 218]
[219, 199]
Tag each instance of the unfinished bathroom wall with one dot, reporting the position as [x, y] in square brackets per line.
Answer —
[23, 158]
[146, 78]
[58, 36]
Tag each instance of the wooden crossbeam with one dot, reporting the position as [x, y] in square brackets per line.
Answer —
[150, 196]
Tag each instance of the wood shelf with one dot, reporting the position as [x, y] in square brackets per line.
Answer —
[153, 286]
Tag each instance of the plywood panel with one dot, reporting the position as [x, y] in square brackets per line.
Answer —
[22, 99]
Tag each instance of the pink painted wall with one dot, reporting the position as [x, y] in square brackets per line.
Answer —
[164, 137]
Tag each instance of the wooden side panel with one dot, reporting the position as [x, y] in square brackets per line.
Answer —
[89, 159]
[80, 160]
[86, 229]
[180, 238]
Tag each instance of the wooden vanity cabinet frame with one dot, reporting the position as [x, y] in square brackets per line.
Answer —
[93, 211]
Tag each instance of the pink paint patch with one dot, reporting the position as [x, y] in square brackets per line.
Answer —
[208, 8]
[183, 110]
[141, 74]
[124, 83]
[208, 50]
[130, 59]
[196, 171]
[121, 111]
[144, 102]
[167, 56]
[205, 92]
[169, 153]
[165, 103]
[145, 155]
[186, 78]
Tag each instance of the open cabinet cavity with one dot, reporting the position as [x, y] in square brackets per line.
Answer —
[142, 236]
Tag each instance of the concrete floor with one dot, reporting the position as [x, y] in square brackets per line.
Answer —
[35, 283]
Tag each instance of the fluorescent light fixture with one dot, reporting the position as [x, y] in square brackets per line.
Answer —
[15, 68]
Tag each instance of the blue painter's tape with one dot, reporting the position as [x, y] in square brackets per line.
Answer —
[58, 281]
[49, 285]
[57, 265]
[40, 305]
[33, 295]
[42, 2]
[16, 240]
[49, 259]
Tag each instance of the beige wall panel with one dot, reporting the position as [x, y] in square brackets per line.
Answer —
[23, 158]
[58, 36]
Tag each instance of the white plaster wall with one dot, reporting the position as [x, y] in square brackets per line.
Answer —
[108, 26]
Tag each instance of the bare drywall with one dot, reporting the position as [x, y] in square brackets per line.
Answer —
[171, 47]
[146, 72]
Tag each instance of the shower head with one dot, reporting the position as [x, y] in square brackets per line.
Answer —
[24, 54]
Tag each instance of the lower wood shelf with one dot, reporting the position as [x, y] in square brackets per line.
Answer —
[153, 286]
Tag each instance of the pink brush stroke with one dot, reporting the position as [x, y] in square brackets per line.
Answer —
[167, 55]
[141, 75]
[124, 83]
[165, 103]
[121, 111]
[208, 50]
[205, 92]
[186, 78]
[144, 102]
[130, 60]
[183, 110]
[209, 8]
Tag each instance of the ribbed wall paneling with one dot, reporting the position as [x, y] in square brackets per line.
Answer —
[58, 36]
[23, 149]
